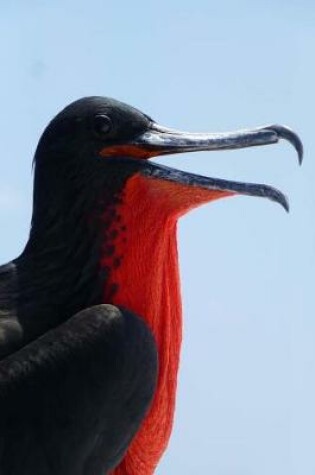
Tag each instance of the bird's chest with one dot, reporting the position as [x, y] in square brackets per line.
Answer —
[141, 265]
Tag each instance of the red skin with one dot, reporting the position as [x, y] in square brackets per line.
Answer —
[148, 284]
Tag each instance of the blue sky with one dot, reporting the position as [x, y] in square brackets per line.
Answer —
[247, 381]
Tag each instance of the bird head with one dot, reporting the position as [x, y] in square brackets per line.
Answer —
[101, 142]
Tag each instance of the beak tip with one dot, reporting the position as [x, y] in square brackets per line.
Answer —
[285, 204]
[297, 144]
[275, 195]
[300, 154]
[288, 134]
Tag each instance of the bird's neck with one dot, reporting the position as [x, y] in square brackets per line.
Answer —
[57, 278]
[59, 270]
[144, 279]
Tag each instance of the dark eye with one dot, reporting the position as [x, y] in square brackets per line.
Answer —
[102, 124]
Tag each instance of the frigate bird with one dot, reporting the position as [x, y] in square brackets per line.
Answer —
[90, 312]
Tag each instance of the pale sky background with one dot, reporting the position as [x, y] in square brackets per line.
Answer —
[247, 381]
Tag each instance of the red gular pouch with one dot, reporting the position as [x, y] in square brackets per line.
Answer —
[146, 278]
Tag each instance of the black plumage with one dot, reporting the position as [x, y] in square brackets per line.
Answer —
[76, 377]
[71, 401]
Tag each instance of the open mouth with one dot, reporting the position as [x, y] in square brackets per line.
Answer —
[157, 141]
[162, 141]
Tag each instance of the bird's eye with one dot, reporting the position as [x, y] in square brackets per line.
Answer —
[102, 124]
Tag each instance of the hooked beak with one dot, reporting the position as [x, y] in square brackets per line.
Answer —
[162, 141]
[159, 140]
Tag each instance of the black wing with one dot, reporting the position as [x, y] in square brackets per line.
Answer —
[71, 401]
